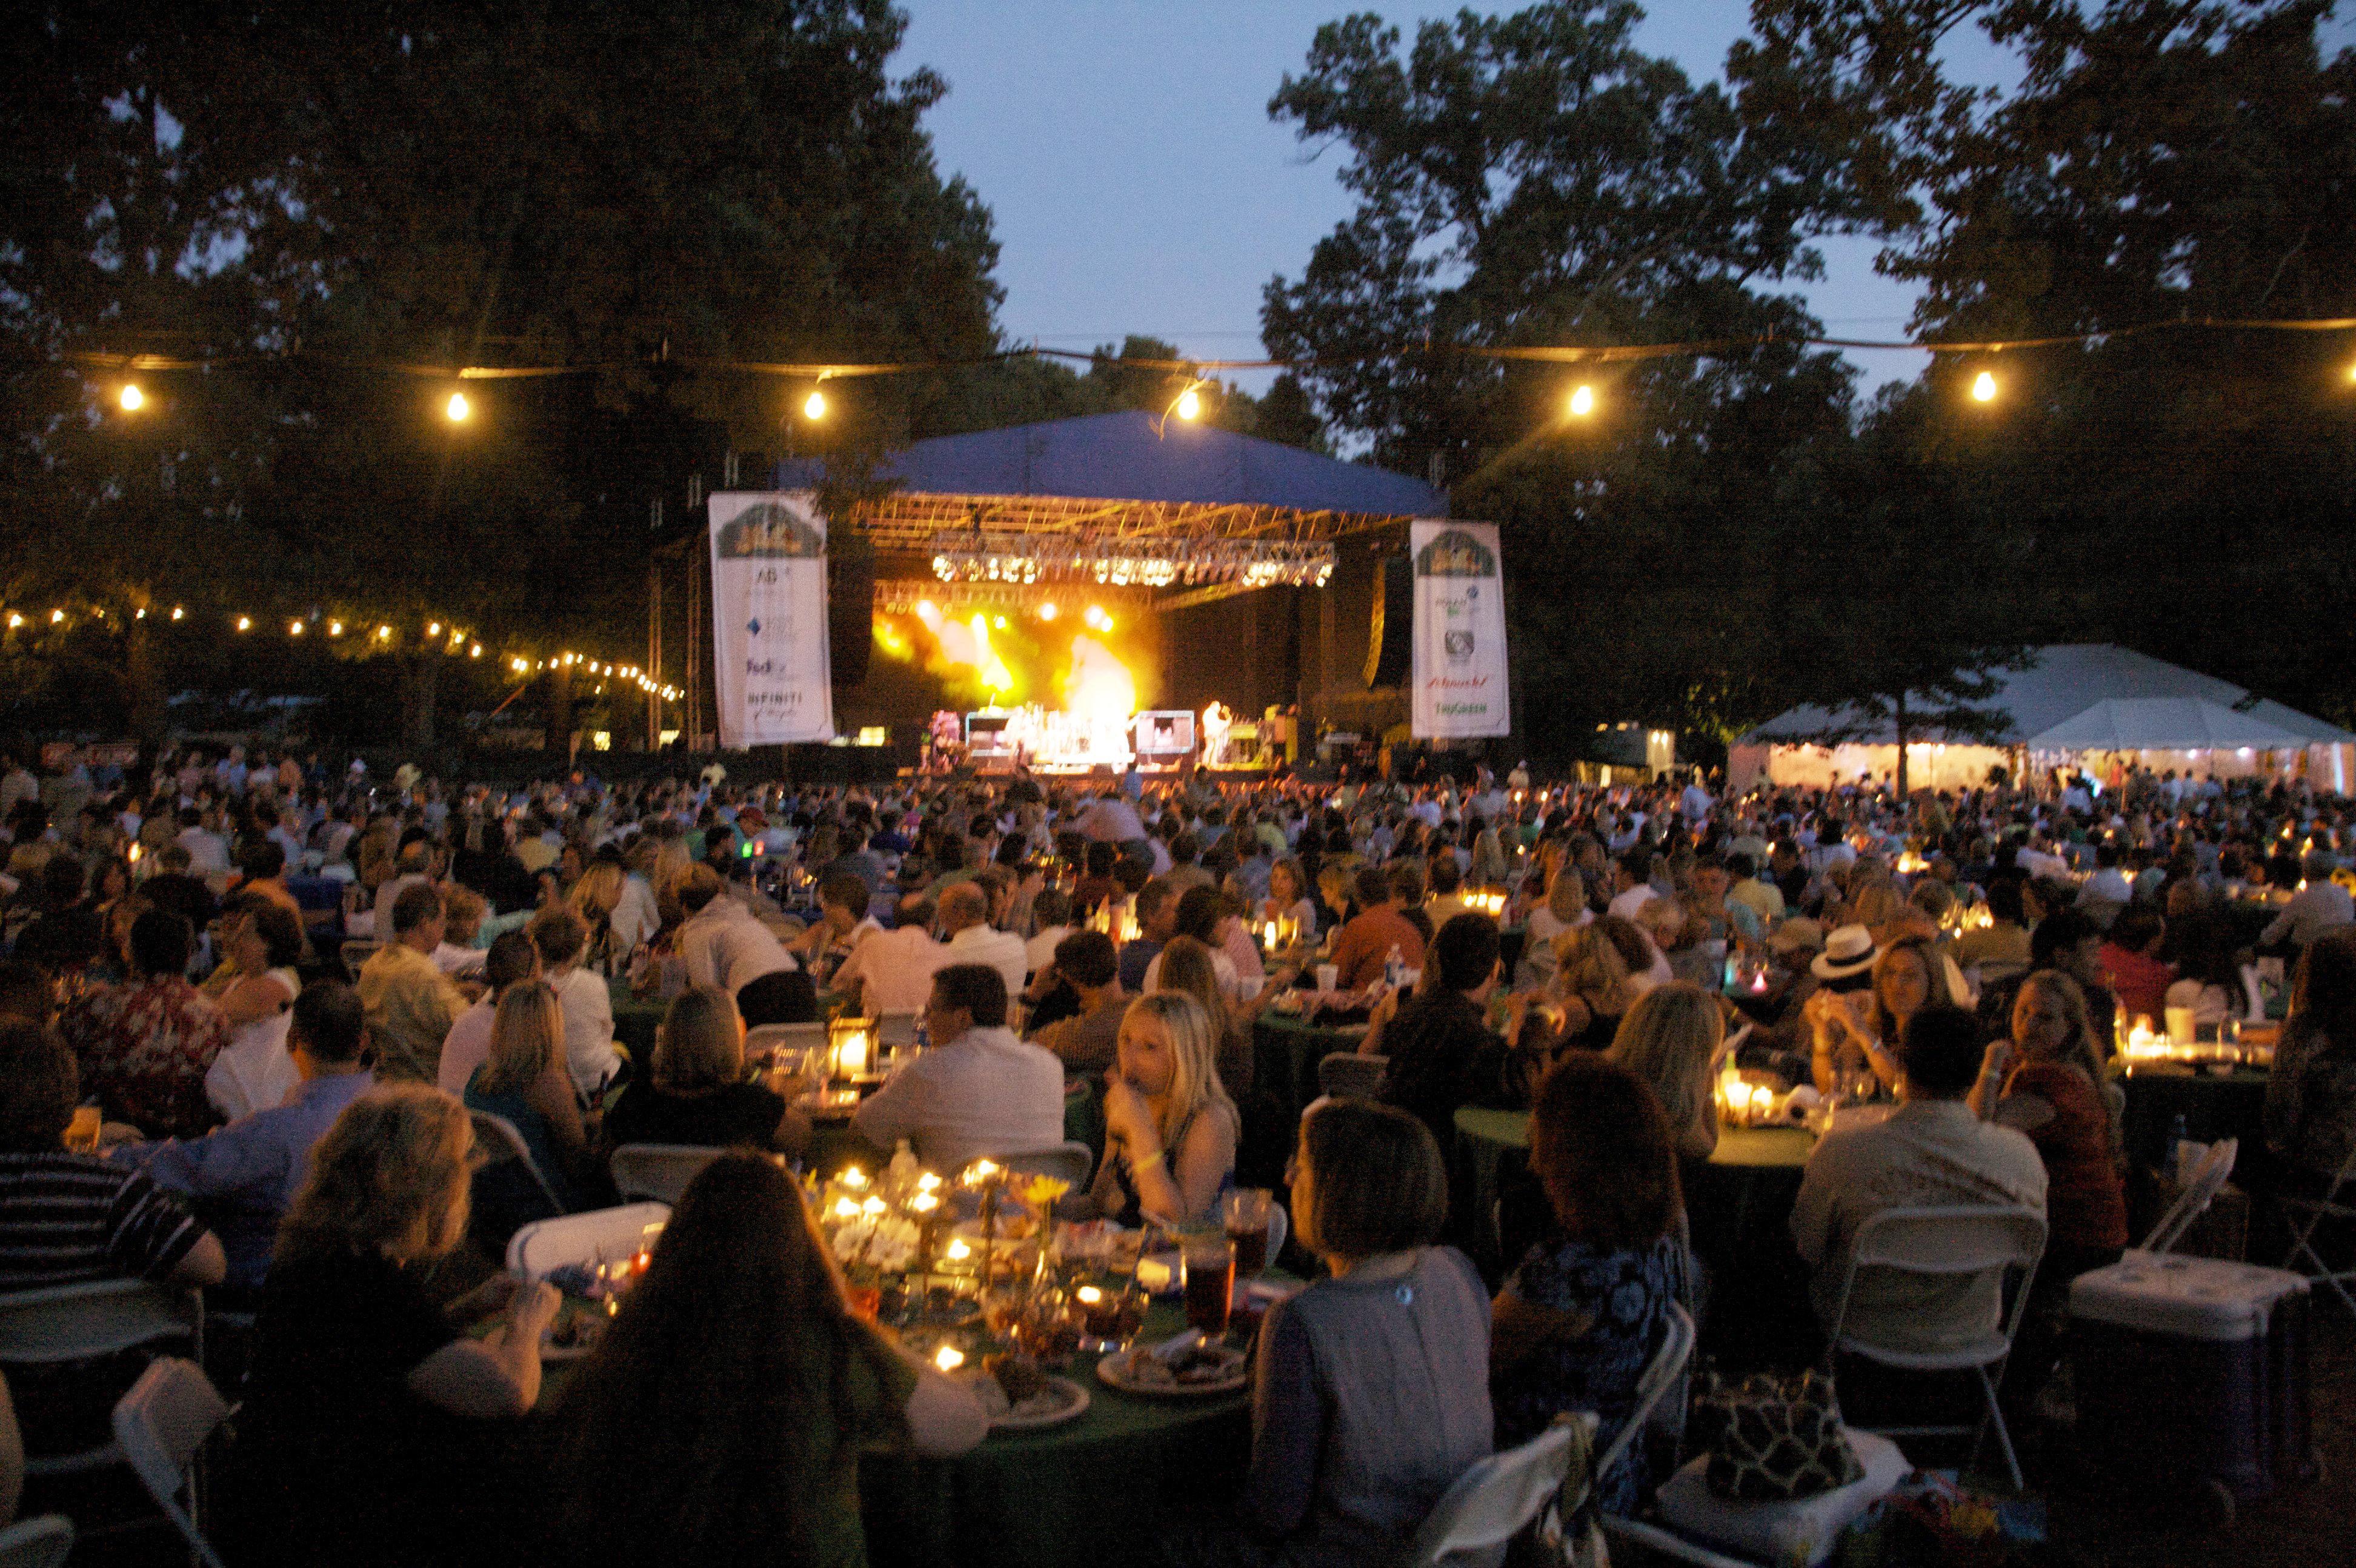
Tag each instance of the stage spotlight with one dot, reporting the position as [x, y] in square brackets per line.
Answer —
[1582, 401]
[1047, 612]
[459, 407]
[1984, 388]
[999, 621]
[131, 398]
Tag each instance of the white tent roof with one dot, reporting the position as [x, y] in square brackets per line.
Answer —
[2089, 696]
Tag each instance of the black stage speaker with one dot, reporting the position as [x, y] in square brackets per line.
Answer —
[850, 606]
[1388, 658]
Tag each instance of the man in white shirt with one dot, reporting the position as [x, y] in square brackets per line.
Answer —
[965, 920]
[209, 851]
[586, 1000]
[1632, 887]
[2320, 906]
[1933, 1152]
[415, 858]
[980, 1091]
[723, 944]
[892, 971]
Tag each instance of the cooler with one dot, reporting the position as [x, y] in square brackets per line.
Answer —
[2192, 1370]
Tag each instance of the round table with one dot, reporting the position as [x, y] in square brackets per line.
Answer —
[1094, 1490]
[1286, 1051]
[2213, 1105]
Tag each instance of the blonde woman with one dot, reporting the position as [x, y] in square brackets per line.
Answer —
[1592, 988]
[1564, 909]
[1186, 965]
[695, 1092]
[2055, 1091]
[594, 898]
[1170, 1129]
[365, 1434]
[524, 1080]
[1670, 1039]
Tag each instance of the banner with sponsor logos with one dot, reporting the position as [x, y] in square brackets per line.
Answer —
[1460, 632]
[768, 618]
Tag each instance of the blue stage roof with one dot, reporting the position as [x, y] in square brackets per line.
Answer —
[1118, 458]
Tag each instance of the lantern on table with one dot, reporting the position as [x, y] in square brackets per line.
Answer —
[850, 1046]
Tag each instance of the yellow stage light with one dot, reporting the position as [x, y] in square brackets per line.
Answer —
[475, 652]
[999, 621]
[334, 628]
[15, 620]
[1582, 401]
[1047, 610]
[131, 398]
[520, 666]
[814, 406]
[177, 612]
[432, 628]
[457, 408]
[1190, 406]
[245, 623]
[294, 628]
[56, 616]
[384, 634]
[1984, 388]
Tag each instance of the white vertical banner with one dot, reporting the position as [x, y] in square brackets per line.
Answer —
[1460, 632]
[768, 618]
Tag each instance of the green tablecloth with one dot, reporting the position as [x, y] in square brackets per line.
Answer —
[1286, 1052]
[2231, 1106]
[1092, 1492]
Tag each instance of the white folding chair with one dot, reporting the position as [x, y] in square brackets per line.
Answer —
[161, 1426]
[2208, 1181]
[1946, 1243]
[1070, 1162]
[500, 1141]
[95, 1317]
[769, 1038]
[40, 1543]
[659, 1171]
[2305, 1215]
[1488, 1505]
[1347, 1075]
[546, 1245]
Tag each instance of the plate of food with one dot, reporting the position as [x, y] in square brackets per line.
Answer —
[1194, 1371]
[1018, 1397]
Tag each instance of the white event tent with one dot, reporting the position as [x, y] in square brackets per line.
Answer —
[2089, 705]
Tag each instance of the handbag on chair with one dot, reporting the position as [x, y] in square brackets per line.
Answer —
[1773, 1439]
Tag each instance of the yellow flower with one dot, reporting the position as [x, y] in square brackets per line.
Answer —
[1042, 1191]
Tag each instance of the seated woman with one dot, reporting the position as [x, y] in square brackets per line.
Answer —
[1669, 1041]
[524, 1080]
[1170, 1129]
[256, 991]
[2052, 1090]
[1577, 1322]
[1850, 1039]
[2310, 1116]
[1591, 984]
[1564, 909]
[696, 1091]
[721, 1418]
[372, 1427]
[1185, 964]
[1372, 1384]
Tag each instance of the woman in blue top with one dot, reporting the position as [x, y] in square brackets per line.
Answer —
[1579, 1320]
[524, 1080]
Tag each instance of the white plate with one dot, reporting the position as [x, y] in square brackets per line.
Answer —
[1062, 1399]
[1115, 1370]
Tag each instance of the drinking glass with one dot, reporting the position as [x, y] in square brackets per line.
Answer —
[1244, 1211]
[81, 1133]
[1206, 1270]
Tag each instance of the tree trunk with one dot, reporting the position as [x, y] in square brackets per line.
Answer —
[419, 673]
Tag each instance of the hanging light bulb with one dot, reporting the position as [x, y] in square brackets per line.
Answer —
[1582, 400]
[245, 623]
[814, 406]
[459, 407]
[334, 628]
[1047, 612]
[1984, 388]
[294, 628]
[177, 612]
[131, 398]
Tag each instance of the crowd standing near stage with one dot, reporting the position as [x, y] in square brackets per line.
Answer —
[268, 1121]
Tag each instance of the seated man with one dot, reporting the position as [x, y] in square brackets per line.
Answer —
[241, 1177]
[723, 943]
[892, 971]
[1364, 945]
[411, 1002]
[965, 920]
[979, 1091]
[1932, 1152]
[144, 1049]
[1443, 1054]
[1086, 961]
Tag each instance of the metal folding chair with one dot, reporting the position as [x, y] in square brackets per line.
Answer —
[2305, 1215]
[161, 1426]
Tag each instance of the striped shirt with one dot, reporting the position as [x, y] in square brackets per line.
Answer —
[65, 1218]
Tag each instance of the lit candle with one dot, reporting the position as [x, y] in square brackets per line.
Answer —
[846, 1207]
[959, 1252]
[872, 1206]
[853, 1178]
[923, 1202]
[949, 1357]
[1089, 1294]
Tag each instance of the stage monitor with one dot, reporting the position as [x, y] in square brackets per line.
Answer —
[1161, 733]
[985, 733]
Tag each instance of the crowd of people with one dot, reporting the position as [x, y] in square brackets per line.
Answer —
[300, 1136]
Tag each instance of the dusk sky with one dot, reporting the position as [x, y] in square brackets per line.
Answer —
[1139, 185]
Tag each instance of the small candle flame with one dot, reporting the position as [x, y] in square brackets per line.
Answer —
[853, 1178]
[949, 1357]
[959, 1250]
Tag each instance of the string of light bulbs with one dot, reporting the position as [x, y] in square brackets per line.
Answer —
[447, 637]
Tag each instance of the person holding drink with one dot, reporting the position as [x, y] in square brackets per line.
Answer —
[1170, 1128]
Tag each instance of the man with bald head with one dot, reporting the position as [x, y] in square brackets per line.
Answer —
[964, 922]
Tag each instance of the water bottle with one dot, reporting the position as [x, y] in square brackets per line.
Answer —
[2178, 1133]
[924, 1034]
[1395, 969]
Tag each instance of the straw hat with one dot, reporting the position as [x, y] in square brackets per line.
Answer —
[1848, 951]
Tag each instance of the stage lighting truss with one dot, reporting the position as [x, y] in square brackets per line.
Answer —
[1027, 559]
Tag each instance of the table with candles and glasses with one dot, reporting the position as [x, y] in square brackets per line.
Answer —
[968, 1272]
[2217, 1085]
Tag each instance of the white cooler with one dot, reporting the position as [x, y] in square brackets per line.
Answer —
[2192, 1371]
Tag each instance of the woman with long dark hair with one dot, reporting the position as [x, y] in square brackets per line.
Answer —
[2311, 1093]
[721, 1419]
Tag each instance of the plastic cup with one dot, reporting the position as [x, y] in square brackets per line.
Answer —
[1329, 976]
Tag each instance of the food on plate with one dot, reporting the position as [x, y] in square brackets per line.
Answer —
[1194, 1368]
[1019, 1375]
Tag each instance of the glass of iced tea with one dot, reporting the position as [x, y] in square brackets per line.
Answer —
[1244, 1211]
[1206, 1266]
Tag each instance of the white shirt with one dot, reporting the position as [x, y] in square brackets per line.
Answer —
[985, 1092]
[1001, 950]
[1625, 905]
[388, 895]
[1040, 951]
[254, 1072]
[467, 1046]
[2110, 884]
[589, 1053]
[895, 969]
[454, 960]
[726, 947]
[208, 850]
[634, 917]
